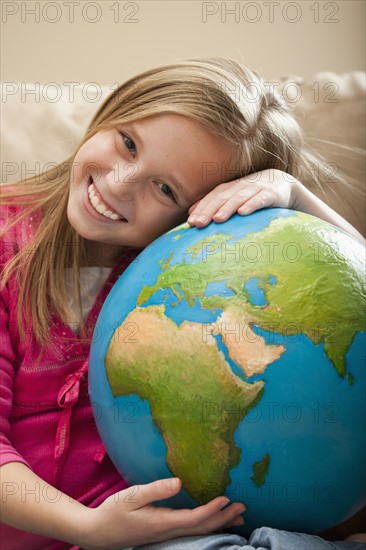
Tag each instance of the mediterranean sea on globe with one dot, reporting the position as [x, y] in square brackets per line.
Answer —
[233, 357]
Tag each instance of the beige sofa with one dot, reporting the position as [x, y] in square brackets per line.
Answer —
[42, 123]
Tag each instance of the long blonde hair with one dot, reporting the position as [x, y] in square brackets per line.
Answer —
[228, 99]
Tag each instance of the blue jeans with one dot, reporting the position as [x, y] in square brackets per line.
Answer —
[264, 538]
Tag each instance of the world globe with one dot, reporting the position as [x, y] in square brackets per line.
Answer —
[233, 357]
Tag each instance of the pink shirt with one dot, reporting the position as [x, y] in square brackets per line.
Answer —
[46, 421]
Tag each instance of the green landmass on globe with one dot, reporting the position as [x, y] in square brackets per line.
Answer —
[195, 448]
[201, 445]
[288, 305]
[260, 470]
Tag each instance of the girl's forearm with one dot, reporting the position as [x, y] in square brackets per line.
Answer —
[30, 504]
[305, 201]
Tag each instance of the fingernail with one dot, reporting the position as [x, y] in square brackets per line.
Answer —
[224, 502]
[200, 219]
[173, 483]
[239, 521]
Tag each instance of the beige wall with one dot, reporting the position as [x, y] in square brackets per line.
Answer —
[58, 41]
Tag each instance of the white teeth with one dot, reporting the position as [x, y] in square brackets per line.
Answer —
[99, 206]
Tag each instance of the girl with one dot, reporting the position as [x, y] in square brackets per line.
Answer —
[168, 143]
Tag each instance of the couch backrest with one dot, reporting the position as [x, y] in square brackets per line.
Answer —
[43, 123]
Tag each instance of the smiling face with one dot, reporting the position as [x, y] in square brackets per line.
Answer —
[132, 183]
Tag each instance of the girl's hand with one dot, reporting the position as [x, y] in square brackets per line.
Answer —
[129, 518]
[268, 188]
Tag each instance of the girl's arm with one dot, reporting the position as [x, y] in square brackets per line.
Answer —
[305, 201]
[125, 519]
[268, 188]
[30, 504]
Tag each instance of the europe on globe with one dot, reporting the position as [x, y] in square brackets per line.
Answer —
[233, 357]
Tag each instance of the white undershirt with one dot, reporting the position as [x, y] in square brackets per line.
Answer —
[92, 280]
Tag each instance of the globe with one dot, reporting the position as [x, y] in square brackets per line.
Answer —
[233, 357]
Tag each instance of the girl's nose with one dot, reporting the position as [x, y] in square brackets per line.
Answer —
[123, 180]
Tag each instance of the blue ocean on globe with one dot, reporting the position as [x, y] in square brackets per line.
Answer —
[233, 357]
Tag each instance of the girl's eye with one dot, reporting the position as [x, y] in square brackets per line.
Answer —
[166, 190]
[129, 143]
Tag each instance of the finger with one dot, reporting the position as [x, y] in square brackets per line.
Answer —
[239, 520]
[222, 519]
[227, 517]
[263, 199]
[234, 204]
[193, 207]
[208, 206]
[200, 514]
[223, 202]
[205, 211]
[190, 518]
[206, 518]
[142, 495]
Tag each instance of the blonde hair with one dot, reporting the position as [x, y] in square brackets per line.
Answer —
[228, 99]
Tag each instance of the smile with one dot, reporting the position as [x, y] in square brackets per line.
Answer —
[100, 206]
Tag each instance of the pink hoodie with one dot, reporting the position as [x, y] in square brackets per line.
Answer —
[46, 418]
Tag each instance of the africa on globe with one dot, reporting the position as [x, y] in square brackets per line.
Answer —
[233, 357]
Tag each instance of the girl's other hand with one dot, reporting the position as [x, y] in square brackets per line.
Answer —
[129, 518]
[268, 188]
